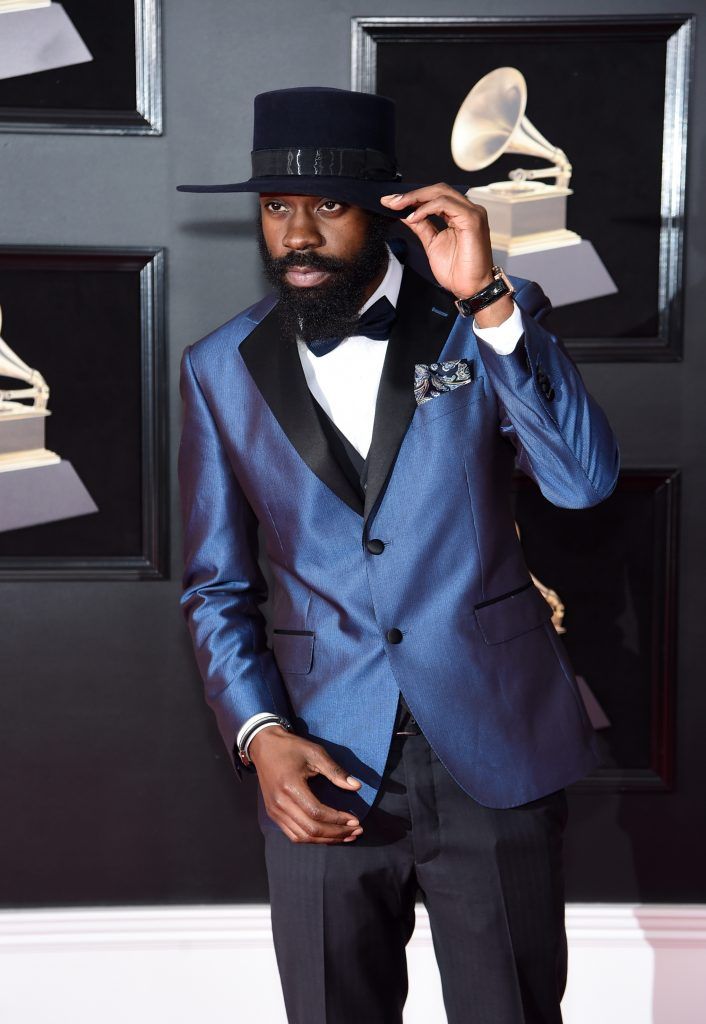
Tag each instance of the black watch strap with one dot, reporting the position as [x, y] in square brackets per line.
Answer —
[498, 287]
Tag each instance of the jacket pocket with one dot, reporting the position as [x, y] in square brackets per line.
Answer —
[509, 615]
[449, 401]
[293, 651]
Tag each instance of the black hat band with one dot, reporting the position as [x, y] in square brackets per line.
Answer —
[366, 164]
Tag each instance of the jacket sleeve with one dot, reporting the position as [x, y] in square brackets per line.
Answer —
[561, 435]
[223, 584]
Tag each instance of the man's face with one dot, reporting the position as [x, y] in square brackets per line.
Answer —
[324, 257]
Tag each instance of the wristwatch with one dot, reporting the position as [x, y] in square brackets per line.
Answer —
[498, 287]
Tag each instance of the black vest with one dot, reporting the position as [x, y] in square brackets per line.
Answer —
[348, 457]
[355, 468]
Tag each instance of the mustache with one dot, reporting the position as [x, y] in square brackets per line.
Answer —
[312, 260]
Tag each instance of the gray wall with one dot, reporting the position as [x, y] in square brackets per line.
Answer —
[113, 781]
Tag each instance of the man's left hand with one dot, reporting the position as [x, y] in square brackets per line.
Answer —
[460, 255]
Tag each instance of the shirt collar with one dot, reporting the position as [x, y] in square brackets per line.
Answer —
[390, 284]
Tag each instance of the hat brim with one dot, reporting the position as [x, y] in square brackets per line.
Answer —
[356, 192]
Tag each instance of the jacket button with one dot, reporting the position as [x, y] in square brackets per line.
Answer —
[394, 635]
[375, 546]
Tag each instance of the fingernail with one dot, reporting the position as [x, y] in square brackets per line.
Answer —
[352, 822]
[410, 215]
[351, 781]
[397, 195]
[349, 839]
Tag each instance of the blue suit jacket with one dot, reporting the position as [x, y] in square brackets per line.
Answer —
[479, 662]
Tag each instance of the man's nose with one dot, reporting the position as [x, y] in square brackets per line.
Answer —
[302, 233]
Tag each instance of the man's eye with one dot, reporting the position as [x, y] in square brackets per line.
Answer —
[274, 206]
[330, 205]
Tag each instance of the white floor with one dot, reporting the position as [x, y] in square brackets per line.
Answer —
[192, 965]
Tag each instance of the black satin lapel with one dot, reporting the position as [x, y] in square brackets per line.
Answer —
[273, 362]
[418, 336]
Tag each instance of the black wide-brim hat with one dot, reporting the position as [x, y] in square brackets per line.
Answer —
[324, 142]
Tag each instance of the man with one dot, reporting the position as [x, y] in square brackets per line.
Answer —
[415, 721]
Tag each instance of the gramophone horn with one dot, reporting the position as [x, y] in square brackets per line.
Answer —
[10, 363]
[16, 369]
[492, 121]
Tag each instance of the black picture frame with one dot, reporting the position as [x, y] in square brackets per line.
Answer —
[118, 93]
[91, 320]
[614, 568]
[613, 92]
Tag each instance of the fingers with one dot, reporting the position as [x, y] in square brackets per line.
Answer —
[459, 215]
[292, 836]
[305, 820]
[441, 200]
[319, 813]
[424, 195]
[425, 231]
[444, 202]
[284, 764]
[309, 827]
[295, 834]
[321, 764]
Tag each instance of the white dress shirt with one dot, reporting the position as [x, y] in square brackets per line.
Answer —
[345, 382]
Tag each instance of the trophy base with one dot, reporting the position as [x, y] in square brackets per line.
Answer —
[39, 39]
[521, 209]
[10, 461]
[538, 241]
[42, 494]
[570, 273]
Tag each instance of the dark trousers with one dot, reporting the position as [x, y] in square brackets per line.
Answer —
[491, 880]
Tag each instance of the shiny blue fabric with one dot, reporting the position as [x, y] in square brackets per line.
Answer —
[479, 662]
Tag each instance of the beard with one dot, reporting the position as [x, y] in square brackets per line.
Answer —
[330, 309]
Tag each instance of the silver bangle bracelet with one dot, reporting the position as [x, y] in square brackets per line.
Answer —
[252, 733]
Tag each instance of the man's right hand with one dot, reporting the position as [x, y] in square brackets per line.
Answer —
[284, 762]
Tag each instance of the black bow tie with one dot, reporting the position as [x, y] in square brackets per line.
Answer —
[376, 322]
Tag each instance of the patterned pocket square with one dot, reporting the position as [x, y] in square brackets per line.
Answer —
[435, 379]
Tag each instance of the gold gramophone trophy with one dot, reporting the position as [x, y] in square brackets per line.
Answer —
[36, 485]
[527, 216]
